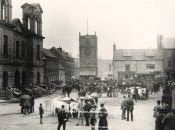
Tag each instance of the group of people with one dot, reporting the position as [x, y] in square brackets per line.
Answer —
[164, 116]
[27, 104]
[127, 107]
[89, 114]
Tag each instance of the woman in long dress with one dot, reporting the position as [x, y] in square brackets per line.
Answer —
[103, 123]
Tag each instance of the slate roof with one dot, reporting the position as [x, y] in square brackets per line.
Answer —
[48, 53]
[137, 54]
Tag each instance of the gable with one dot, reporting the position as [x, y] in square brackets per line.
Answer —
[18, 28]
[18, 25]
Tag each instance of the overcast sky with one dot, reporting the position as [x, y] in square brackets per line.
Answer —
[128, 23]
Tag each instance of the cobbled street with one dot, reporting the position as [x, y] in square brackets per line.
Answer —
[10, 117]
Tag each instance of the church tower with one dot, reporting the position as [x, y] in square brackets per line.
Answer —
[6, 10]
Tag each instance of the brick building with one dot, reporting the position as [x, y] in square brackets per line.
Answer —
[21, 62]
[128, 63]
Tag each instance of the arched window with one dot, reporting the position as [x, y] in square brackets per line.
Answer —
[5, 80]
[23, 78]
[3, 10]
[23, 50]
[17, 49]
[38, 52]
[5, 45]
[38, 78]
[28, 24]
[17, 80]
[36, 26]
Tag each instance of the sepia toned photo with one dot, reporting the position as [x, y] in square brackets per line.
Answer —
[87, 65]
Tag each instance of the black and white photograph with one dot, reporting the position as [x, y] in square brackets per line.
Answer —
[87, 64]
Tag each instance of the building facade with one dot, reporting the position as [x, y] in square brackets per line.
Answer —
[88, 52]
[51, 67]
[129, 63]
[21, 44]
[66, 64]
[167, 46]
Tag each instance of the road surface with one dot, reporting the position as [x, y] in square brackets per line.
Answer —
[11, 119]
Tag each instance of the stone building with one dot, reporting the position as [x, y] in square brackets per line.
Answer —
[21, 43]
[88, 51]
[128, 63]
[51, 67]
[69, 66]
[66, 64]
[167, 46]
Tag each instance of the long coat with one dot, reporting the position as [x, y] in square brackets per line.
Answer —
[168, 121]
[103, 123]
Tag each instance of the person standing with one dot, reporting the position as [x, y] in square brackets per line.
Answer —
[158, 106]
[129, 107]
[103, 123]
[123, 107]
[87, 109]
[62, 118]
[27, 105]
[81, 113]
[41, 112]
[158, 121]
[22, 100]
[169, 121]
[32, 103]
[93, 119]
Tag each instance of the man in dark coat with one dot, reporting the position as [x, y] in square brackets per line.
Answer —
[93, 117]
[103, 123]
[129, 107]
[22, 100]
[41, 112]
[87, 109]
[62, 118]
[158, 121]
[169, 121]
[32, 103]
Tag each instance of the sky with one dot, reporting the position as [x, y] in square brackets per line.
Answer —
[130, 24]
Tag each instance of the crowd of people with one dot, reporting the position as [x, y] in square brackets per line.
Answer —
[88, 116]
[163, 113]
[27, 104]
[112, 87]
[164, 116]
